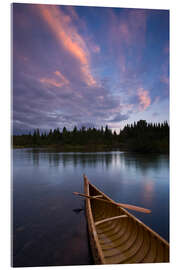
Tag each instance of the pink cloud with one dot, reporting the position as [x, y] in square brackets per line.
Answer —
[126, 31]
[130, 28]
[63, 79]
[56, 82]
[67, 35]
[73, 13]
[50, 81]
[144, 99]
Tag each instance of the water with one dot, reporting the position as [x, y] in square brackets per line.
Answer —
[49, 225]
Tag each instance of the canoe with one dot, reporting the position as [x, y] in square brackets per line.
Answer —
[118, 237]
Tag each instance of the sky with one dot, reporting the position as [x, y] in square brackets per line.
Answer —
[88, 66]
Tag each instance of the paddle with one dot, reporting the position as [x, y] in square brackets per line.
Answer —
[129, 206]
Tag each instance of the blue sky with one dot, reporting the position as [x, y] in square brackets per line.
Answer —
[89, 66]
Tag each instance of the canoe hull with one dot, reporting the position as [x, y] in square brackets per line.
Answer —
[116, 236]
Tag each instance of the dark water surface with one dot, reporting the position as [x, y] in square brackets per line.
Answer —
[48, 229]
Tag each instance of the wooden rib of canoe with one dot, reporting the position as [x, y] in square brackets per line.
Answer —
[116, 236]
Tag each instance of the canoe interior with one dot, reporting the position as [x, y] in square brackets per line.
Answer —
[122, 240]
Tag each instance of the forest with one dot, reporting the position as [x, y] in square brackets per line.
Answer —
[138, 137]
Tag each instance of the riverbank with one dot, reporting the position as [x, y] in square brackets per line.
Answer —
[150, 148]
[74, 148]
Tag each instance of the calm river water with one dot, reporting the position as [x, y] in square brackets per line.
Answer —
[48, 229]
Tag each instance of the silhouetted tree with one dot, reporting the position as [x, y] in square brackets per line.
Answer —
[140, 136]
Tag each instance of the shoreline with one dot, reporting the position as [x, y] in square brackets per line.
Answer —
[87, 148]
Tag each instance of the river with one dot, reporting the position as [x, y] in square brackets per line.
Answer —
[48, 222]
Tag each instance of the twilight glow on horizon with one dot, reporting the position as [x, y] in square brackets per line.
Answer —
[88, 66]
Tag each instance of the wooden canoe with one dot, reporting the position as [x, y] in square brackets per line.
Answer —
[116, 236]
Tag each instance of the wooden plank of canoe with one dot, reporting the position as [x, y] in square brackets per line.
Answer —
[109, 219]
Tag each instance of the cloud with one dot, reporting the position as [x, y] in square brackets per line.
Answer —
[61, 81]
[144, 99]
[165, 79]
[67, 35]
[54, 101]
[95, 48]
[155, 114]
[129, 28]
[86, 125]
[119, 117]
[126, 33]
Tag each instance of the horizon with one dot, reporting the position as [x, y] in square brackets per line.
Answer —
[46, 131]
[68, 72]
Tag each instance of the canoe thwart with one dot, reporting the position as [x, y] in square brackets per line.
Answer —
[129, 206]
[109, 219]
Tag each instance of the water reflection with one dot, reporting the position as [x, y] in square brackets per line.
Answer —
[148, 190]
[96, 159]
[72, 158]
[48, 217]
[144, 162]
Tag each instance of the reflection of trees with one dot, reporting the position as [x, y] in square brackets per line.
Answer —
[35, 158]
[144, 161]
[100, 159]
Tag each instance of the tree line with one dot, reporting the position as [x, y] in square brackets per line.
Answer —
[146, 137]
[139, 137]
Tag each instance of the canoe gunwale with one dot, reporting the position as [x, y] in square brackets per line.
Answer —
[95, 246]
